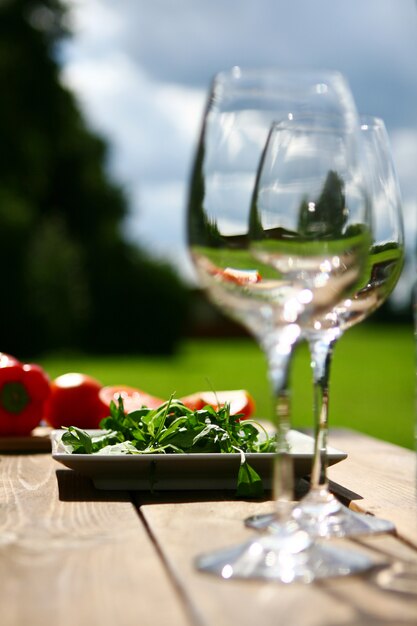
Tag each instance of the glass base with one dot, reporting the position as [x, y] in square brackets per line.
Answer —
[286, 555]
[399, 578]
[320, 514]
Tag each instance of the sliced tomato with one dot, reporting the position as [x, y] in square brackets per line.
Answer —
[133, 398]
[241, 277]
[240, 401]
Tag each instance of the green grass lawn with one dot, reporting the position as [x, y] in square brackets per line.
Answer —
[372, 383]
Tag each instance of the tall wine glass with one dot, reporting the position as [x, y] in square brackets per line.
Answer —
[255, 270]
[320, 512]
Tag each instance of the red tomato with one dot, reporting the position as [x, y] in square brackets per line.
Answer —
[240, 401]
[133, 398]
[74, 401]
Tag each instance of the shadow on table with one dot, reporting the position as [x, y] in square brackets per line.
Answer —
[74, 487]
[369, 612]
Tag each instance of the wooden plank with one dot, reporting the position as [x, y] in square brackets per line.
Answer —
[186, 529]
[382, 475]
[71, 555]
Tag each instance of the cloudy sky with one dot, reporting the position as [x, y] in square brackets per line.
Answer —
[141, 70]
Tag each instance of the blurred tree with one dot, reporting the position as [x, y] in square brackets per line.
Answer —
[68, 277]
[327, 216]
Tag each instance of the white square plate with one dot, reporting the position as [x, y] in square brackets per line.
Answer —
[162, 472]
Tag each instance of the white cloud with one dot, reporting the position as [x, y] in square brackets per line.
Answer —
[188, 40]
[95, 23]
[152, 126]
[153, 129]
[404, 149]
[160, 223]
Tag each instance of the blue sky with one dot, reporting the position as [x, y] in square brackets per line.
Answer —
[141, 71]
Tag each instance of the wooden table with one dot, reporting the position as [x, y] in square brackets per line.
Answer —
[71, 555]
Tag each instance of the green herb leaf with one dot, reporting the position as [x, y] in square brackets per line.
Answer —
[78, 439]
[249, 483]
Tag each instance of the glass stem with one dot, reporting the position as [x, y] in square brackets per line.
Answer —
[321, 348]
[278, 348]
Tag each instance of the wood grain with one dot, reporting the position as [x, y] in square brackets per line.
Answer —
[383, 474]
[70, 555]
[185, 530]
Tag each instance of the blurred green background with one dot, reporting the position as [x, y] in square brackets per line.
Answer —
[77, 296]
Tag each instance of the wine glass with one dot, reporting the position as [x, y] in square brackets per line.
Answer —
[320, 513]
[258, 268]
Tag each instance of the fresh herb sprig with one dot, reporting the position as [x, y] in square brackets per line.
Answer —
[174, 428]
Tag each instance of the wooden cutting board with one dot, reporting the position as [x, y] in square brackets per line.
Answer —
[38, 441]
